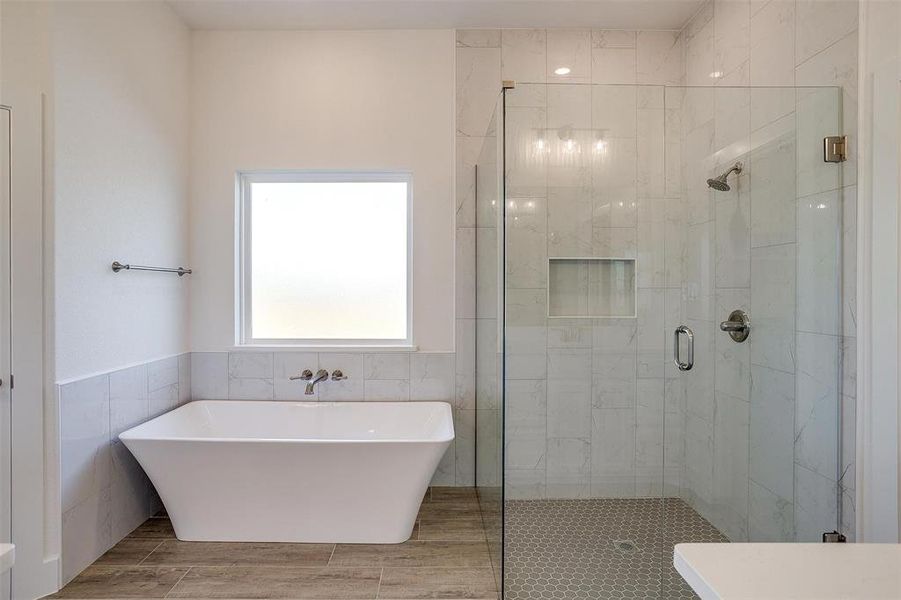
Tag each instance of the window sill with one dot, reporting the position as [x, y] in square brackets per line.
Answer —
[329, 348]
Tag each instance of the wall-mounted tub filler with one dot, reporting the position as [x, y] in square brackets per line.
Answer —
[307, 375]
[719, 183]
[321, 375]
[319, 472]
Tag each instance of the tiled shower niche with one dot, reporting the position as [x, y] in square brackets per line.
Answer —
[591, 287]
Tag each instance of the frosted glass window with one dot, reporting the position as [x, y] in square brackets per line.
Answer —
[325, 258]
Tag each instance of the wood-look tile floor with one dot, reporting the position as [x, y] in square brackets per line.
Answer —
[446, 558]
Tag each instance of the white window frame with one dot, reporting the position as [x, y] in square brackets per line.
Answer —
[243, 262]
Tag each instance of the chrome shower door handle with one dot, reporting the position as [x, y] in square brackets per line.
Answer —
[677, 348]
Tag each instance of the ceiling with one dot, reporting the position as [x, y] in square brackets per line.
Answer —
[434, 14]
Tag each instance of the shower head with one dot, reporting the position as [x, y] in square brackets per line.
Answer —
[719, 183]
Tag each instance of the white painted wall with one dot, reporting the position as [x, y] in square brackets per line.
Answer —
[121, 72]
[322, 100]
[879, 268]
[26, 86]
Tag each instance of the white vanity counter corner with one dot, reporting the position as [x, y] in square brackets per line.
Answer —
[791, 571]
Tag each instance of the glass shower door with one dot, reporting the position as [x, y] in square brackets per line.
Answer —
[5, 397]
[614, 238]
[585, 340]
[760, 424]
[488, 331]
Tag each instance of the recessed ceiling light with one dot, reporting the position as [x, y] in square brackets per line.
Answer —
[716, 74]
[562, 71]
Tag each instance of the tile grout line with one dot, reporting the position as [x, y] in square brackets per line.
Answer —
[155, 548]
[188, 570]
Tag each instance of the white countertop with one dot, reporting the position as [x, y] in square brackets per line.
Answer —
[7, 557]
[791, 571]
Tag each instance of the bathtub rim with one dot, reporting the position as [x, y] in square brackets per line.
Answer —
[132, 434]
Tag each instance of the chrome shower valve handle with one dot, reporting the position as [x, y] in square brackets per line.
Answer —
[738, 326]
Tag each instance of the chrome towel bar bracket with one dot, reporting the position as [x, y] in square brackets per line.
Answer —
[117, 266]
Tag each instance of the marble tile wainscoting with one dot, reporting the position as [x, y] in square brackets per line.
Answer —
[104, 492]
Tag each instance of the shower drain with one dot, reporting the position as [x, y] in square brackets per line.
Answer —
[625, 546]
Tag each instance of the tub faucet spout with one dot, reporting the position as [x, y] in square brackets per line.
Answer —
[321, 375]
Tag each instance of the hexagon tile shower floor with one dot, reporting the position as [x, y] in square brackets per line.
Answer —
[599, 548]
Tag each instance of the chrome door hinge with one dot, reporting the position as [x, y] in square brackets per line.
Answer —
[834, 537]
[835, 148]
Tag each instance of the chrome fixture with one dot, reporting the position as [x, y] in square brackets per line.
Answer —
[337, 375]
[307, 375]
[738, 326]
[719, 183]
[677, 351]
[117, 266]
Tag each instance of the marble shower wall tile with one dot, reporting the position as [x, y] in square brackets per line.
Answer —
[731, 466]
[84, 418]
[86, 533]
[433, 377]
[569, 48]
[819, 263]
[613, 452]
[772, 44]
[772, 414]
[525, 422]
[815, 505]
[770, 518]
[478, 74]
[524, 55]
[821, 23]
[818, 405]
[731, 35]
[568, 468]
[251, 376]
[209, 375]
[467, 156]
[771, 167]
[163, 385]
[478, 38]
[128, 399]
[698, 39]
[659, 57]
[773, 281]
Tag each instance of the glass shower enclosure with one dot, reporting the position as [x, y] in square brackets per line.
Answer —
[628, 238]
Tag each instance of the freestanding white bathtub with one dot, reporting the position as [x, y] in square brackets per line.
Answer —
[352, 472]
